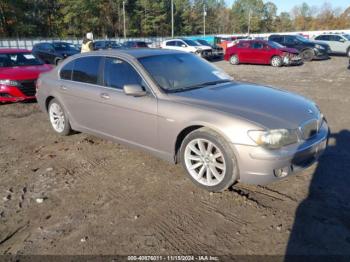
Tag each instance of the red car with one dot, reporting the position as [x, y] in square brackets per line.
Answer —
[262, 52]
[19, 70]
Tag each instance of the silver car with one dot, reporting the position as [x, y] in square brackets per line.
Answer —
[183, 109]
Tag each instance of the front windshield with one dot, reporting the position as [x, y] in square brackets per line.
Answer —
[182, 72]
[63, 46]
[19, 59]
[302, 39]
[202, 42]
[274, 44]
[347, 37]
[190, 42]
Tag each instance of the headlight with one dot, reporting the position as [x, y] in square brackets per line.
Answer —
[7, 82]
[274, 139]
[319, 47]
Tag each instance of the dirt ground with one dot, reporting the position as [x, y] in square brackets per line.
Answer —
[84, 195]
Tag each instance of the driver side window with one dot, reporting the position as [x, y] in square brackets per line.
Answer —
[118, 73]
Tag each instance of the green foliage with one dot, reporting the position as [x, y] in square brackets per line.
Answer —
[73, 18]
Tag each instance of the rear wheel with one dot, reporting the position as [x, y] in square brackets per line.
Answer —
[58, 118]
[57, 61]
[308, 55]
[276, 61]
[234, 60]
[209, 160]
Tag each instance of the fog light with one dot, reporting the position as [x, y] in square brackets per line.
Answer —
[281, 172]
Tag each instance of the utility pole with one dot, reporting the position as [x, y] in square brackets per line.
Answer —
[172, 18]
[249, 18]
[204, 15]
[124, 19]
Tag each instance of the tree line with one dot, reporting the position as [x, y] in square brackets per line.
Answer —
[73, 18]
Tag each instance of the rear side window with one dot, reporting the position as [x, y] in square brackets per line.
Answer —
[170, 43]
[257, 45]
[66, 71]
[278, 39]
[86, 69]
[118, 73]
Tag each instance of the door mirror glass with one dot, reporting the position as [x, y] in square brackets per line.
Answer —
[342, 40]
[134, 90]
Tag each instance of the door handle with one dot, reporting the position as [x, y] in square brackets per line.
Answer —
[104, 96]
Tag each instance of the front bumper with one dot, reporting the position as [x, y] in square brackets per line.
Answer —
[14, 94]
[321, 54]
[258, 165]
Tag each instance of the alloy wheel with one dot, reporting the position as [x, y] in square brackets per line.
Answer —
[57, 117]
[205, 162]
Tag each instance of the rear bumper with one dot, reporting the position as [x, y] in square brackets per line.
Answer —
[261, 166]
[13, 94]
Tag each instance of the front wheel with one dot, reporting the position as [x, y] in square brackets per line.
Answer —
[209, 160]
[348, 52]
[276, 61]
[58, 118]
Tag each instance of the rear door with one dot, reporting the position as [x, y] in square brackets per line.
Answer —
[81, 89]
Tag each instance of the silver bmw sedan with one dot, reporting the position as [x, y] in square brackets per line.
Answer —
[183, 109]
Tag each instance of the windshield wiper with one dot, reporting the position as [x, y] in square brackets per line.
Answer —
[211, 83]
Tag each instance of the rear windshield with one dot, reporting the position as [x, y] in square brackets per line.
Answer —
[19, 59]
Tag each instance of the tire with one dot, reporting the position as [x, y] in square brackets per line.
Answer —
[308, 55]
[58, 118]
[276, 61]
[57, 61]
[234, 60]
[214, 169]
[348, 52]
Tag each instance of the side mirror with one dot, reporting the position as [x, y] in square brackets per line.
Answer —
[342, 40]
[183, 45]
[134, 90]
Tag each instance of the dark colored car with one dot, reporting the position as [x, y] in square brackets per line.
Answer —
[309, 50]
[135, 44]
[262, 52]
[19, 70]
[217, 51]
[53, 53]
[106, 44]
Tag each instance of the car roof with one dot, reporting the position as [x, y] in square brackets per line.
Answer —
[13, 50]
[135, 53]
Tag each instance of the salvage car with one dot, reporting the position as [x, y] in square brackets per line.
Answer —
[262, 52]
[106, 44]
[19, 70]
[309, 50]
[181, 108]
[217, 51]
[188, 46]
[54, 52]
[338, 43]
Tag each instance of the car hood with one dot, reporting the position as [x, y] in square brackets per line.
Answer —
[266, 106]
[289, 50]
[23, 72]
[203, 47]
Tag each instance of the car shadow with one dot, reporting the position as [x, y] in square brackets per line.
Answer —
[321, 230]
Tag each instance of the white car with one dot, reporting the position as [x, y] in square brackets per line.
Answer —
[188, 46]
[339, 43]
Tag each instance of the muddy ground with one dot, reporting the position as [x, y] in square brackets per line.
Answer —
[84, 195]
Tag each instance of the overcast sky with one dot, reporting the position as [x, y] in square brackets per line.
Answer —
[287, 5]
